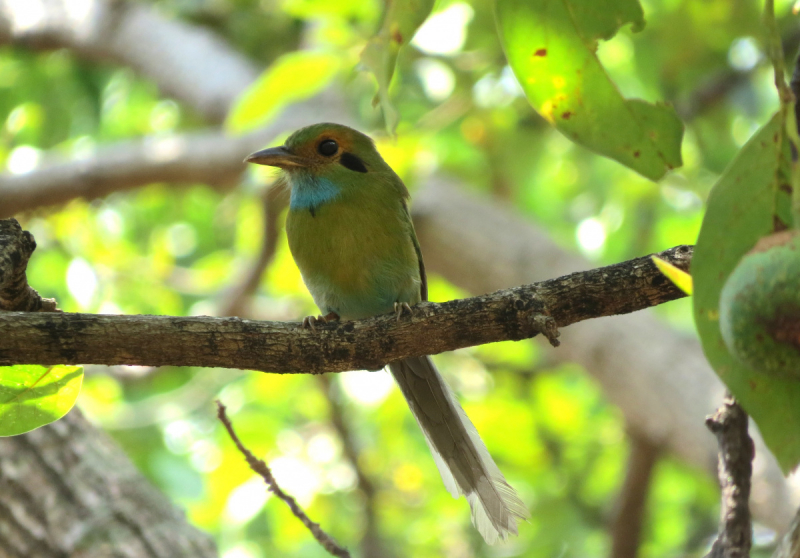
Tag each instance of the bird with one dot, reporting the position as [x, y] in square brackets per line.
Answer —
[350, 232]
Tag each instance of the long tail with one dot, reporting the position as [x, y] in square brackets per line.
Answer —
[462, 458]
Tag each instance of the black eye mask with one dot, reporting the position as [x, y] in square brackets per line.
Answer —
[350, 161]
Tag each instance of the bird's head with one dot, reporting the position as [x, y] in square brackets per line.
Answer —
[323, 149]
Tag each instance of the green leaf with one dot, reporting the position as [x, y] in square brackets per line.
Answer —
[291, 78]
[552, 48]
[400, 22]
[748, 202]
[678, 276]
[32, 396]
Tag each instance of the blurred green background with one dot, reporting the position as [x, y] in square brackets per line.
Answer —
[173, 250]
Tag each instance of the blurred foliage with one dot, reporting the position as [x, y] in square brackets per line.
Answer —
[167, 250]
[32, 396]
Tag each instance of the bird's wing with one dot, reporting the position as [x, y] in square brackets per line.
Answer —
[423, 289]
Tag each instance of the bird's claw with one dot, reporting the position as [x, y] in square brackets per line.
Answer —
[400, 308]
[310, 322]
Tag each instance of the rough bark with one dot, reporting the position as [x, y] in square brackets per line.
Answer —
[510, 314]
[16, 247]
[729, 425]
[68, 491]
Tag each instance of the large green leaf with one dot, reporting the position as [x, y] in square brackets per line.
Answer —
[552, 48]
[32, 396]
[749, 200]
[400, 21]
[291, 78]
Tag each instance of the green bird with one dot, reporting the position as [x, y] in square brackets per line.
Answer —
[351, 235]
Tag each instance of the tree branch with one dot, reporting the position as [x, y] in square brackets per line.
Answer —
[511, 314]
[67, 489]
[210, 157]
[658, 378]
[177, 56]
[260, 468]
[736, 452]
[626, 529]
[16, 247]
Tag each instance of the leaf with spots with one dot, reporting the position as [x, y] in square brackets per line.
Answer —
[400, 21]
[552, 48]
[32, 396]
[750, 200]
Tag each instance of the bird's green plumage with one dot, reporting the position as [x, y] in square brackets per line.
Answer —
[356, 250]
[352, 238]
[357, 253]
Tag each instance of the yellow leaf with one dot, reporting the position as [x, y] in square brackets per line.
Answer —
[681, 279]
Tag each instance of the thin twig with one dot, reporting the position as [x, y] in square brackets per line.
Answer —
[736, 452]
[262, 469]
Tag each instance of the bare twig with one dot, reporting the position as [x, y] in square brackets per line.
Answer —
[736, 452]
[261, 468]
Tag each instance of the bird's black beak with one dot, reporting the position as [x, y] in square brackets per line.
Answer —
[277, 157]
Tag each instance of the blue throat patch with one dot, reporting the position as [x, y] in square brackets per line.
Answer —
[310, 192]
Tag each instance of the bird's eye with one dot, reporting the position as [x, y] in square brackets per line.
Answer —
[328, 148]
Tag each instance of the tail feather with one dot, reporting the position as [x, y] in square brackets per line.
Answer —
[460, 455]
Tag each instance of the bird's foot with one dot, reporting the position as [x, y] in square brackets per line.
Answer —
[400, 308]
[310, 322]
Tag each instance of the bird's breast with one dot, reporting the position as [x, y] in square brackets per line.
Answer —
[357, 258]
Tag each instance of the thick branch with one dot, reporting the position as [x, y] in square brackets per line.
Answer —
[67, 490]
[510, 314]
[175, 55]
[211, 157]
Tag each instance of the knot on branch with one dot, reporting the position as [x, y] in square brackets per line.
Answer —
[547, 326]
[16, 247]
